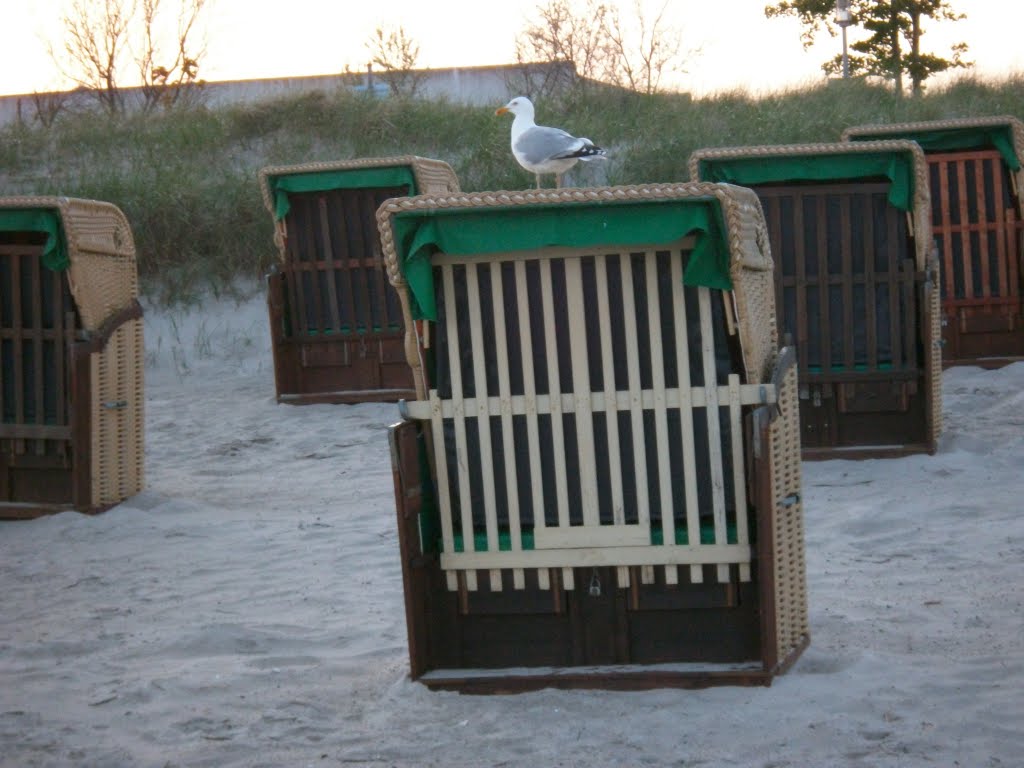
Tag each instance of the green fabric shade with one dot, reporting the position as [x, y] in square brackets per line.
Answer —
[352, 178]
[46, 221]
[897, 166]
[952, 139]
[465, 232]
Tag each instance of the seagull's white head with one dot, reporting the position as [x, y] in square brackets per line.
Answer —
[520, 106]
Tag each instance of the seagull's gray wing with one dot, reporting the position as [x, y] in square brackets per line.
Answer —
[540, 143]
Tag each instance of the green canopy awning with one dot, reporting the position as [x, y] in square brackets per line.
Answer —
[896, 166]
[464, 232]
[45, 221]
[350, 178]
[999, 137]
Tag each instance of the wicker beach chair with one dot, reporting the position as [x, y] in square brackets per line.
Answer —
[977, 185]
[336, 327]
[71, 357]
[598, 483]
[856, 287]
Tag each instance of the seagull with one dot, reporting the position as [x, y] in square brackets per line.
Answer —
[540, 149]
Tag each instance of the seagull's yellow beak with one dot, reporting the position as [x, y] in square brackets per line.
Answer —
[501, 110]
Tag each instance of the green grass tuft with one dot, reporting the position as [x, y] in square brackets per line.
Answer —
[187, 179]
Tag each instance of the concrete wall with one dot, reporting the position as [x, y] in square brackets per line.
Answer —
[483, 86]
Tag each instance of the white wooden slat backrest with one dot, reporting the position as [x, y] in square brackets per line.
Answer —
[542, 467]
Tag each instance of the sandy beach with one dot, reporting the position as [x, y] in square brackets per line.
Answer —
[246, 609]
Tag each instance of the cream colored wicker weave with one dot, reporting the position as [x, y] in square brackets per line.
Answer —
[920, 227]
[103, 281]
[539, 555]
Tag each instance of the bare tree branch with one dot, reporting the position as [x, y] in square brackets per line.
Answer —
[396, 54]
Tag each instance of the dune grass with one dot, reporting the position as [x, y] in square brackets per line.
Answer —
[187, 179]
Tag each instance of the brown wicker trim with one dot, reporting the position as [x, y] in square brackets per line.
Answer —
[750, 267]
[922, 220]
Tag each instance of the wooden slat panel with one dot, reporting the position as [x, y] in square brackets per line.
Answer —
[615, 468]
[483, 418]
[896, 320]
[586, 557]
[36, 333]
[329, 272]
[696, 397]
[578, 329]
[590, 543]
[979, 211]
[965, 237]
[505, 394]
[296, 291]
[668, 527]
[686, 417]
[824, 305]
[19, 373]
[555, 387]
[714, 429]
[634, 389]
[739, 475]
[1013, 235]
[802, 288]
[848, 279]
[870, 307]
[459, 416]
[530, 407]
[360, 248]
[60, 342]
[941, 229]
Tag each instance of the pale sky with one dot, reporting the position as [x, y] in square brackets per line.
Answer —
[734, 44]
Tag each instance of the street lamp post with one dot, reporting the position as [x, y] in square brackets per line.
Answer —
[844, 19]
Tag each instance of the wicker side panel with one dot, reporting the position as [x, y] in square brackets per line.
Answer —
[754, 292]
[751, 269]
[102, 284]
[790, 568]
[93, 225]
[103, 275]
[434, 177]
[117, 416]
[934, 341]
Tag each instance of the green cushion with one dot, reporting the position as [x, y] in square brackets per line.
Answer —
[43, 220]
[895, 165]
[467, 232]
[961, 138]
[353, 178]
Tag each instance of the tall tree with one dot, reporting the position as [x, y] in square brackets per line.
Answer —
[164, 76]
[560, 35]
[892, 48]
[632, 50]
[642, 52]
[103, 37]
[95, 46]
